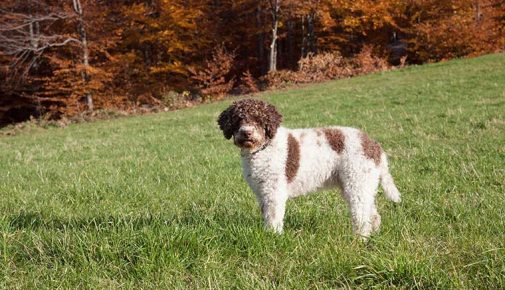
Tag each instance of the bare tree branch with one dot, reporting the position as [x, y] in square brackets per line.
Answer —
[17, 21]
[21, 37]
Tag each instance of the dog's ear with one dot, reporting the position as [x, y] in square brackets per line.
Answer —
[272, 121]
[225, 122]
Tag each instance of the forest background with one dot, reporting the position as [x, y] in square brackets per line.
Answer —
[71, 59]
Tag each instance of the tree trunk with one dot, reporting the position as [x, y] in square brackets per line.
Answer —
[261, 40]
[275, 7]
[310, 32]
[34, 42]
[85, 51]
[291, 45]
[273, 49]
[304, 40]
[478, 13]
[147, 55]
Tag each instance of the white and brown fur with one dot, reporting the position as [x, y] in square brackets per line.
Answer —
[280, 163]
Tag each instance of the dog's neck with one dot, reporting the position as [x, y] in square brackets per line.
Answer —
[250, 154]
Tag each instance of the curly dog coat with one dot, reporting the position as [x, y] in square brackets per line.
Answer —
[280, 163]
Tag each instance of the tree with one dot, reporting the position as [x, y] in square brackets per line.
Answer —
[81, 30]
[66, 57]
[24, 35]
[25, 38]
[275, 6]
[47, 46]
[437, 31]
[168, 38]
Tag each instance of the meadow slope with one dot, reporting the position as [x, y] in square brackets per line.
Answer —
[158, 201]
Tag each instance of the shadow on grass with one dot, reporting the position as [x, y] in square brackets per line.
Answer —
[189, 218]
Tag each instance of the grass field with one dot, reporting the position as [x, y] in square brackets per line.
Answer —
[158, 201]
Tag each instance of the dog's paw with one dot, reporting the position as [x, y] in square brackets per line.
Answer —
[275, 227]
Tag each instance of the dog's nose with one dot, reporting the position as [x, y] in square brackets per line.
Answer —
[247, 133]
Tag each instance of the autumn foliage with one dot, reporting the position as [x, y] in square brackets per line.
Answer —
[213, 79]
[76, 57]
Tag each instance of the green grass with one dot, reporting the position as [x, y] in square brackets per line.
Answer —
[158, 201]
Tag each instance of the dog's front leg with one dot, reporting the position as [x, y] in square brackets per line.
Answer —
[273, 207]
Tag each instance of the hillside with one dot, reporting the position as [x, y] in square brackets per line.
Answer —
[158, 201]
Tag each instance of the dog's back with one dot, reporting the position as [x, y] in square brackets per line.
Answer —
[280, 163]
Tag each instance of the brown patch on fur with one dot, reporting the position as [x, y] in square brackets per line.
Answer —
[371, 149]
[293, 161]
[336, 139]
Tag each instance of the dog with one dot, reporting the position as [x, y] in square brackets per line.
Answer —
[280, 163]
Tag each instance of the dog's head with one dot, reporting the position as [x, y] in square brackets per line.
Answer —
[250, 122]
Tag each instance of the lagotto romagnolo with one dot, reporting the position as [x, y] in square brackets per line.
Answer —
[280, 163]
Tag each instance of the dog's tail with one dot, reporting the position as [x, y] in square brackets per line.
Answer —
[386, 180]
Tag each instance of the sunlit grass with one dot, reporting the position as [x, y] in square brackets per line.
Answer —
[158, 201]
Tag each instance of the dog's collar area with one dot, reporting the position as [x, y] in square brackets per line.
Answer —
[260, 149]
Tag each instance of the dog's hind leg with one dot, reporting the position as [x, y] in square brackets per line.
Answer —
[360, 194]
[376, 219]
[361, 214]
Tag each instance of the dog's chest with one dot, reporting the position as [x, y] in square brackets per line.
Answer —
[262, 171]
